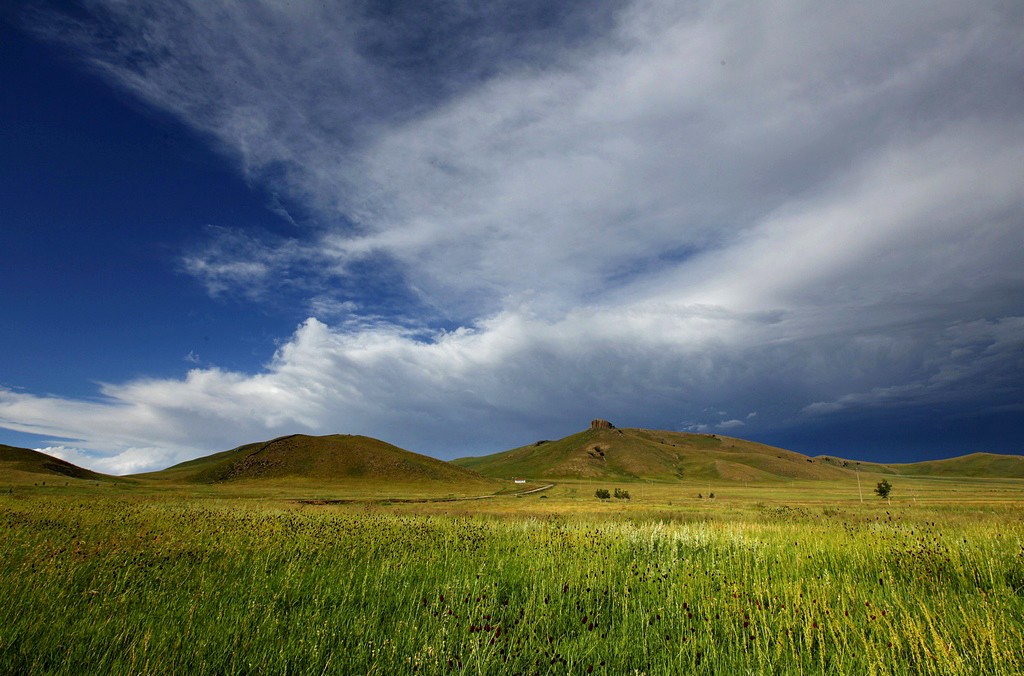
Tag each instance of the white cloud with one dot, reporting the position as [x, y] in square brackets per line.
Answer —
[232, 261]
[327, 308]
[554, 181]
[515, 376]
[128, 461]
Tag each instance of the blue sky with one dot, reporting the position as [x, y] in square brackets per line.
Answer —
[462, 228]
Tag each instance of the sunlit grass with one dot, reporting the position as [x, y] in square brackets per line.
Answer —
[164, 584]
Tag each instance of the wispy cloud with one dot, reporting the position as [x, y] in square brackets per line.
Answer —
[785, 208]
[982, 356]
[328, 309]
[236, 262]
[555, 180]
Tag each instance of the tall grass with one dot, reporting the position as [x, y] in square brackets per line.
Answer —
[120, 585]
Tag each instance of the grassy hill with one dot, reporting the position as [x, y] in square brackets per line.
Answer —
[638, 454]
[23, 465]
[327, 459]
[631, 454]
[976, 465]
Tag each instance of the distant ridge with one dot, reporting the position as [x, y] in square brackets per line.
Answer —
[971, 465]
[337, 457]
[24, 464]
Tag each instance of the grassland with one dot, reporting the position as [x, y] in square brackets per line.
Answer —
[797, 577]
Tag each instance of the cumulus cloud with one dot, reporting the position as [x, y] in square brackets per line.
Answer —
[128, 461]
[517, 374]
[785, 208]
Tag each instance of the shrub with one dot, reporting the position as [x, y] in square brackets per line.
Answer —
[621, 495]
[602, 493]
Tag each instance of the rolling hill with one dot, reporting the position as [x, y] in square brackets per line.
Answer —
[601, 453]
[972, 465]
[606, 453]
[630, 454]
[22, 465]
[322, 459]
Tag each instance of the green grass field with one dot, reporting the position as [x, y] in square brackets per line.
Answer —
[794, 578]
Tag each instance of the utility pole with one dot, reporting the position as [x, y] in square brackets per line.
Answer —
[858, 485]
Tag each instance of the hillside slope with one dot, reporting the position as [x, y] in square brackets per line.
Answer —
[333, 458]
[20, 465]
[973, 465]
[639, 454]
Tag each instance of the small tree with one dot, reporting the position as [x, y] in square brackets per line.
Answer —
[621, 494]
[884, 488]
[602, 493]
